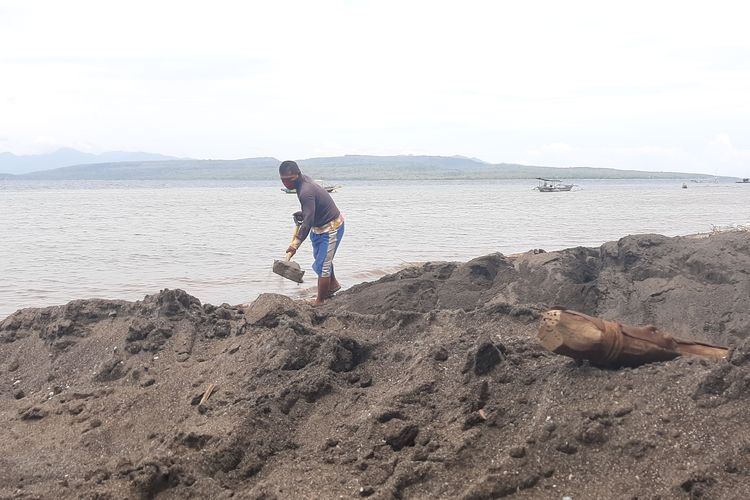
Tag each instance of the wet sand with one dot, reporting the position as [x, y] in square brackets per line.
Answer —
[428, 383]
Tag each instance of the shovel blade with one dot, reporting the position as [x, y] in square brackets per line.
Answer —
[289, 270]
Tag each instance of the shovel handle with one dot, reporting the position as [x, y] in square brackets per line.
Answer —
[294, 237]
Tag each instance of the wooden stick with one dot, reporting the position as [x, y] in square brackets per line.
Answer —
[207, 394]
[609, 343]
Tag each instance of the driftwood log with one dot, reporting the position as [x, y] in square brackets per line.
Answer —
[612, 344]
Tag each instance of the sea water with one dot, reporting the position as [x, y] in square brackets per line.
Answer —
[67, 240]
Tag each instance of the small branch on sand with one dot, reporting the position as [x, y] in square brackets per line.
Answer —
[608, 343]
[207, 394]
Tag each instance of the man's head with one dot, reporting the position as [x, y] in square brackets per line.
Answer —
[289, 173]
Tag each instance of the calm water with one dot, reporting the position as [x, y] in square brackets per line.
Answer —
[61, 241]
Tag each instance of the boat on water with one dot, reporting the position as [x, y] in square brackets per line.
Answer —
[331, 188]
[552, 185]
[745, 180]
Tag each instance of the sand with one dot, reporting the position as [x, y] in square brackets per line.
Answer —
[428, 383]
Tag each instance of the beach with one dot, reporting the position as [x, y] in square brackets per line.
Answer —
[427, 383]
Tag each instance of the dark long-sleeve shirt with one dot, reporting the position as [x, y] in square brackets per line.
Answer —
[318, 207]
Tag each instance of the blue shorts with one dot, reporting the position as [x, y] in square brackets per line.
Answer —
[324, 248]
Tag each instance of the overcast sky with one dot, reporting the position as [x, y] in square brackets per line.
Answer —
[653, 85]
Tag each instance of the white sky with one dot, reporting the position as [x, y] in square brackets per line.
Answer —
[653, 85]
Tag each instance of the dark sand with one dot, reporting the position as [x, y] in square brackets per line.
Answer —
[428, 383]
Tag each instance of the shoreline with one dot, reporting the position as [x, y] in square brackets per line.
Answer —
[309, 291]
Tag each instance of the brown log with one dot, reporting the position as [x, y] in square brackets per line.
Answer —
[608, 343]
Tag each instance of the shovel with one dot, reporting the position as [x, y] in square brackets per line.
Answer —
[286, 268]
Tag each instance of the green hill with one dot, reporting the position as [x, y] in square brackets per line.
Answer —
[351, 167]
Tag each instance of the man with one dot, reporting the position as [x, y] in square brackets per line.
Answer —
[322, 220]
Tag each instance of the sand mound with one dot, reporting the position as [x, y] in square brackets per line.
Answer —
[428, 383]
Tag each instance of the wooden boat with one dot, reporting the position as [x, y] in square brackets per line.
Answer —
[552, 185]
[331, 188]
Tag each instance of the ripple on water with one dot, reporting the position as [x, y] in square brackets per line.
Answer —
[218, 241]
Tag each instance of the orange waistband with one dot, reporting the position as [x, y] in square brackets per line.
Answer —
[330, 226]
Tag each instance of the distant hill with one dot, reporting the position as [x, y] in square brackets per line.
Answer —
[21, 164]
[459, 167]
[339, 168]
[246, 169]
